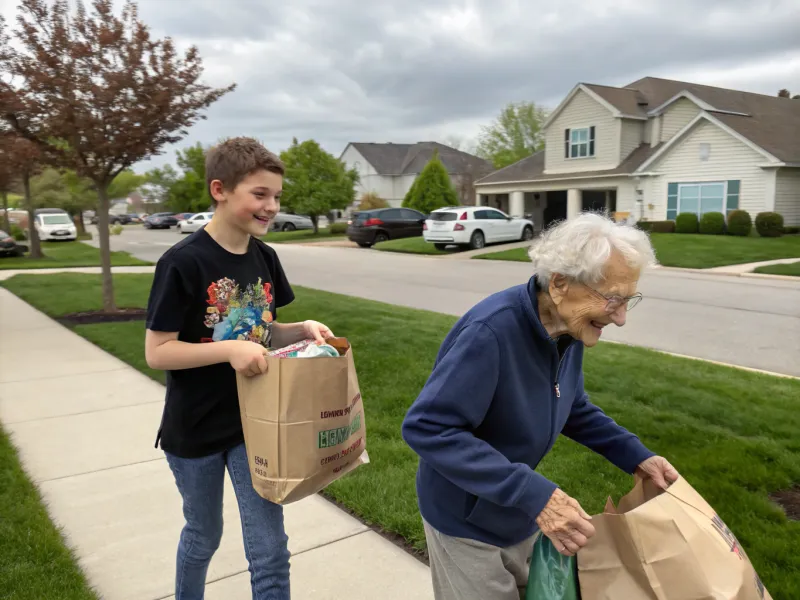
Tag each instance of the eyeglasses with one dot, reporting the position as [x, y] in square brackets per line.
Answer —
[614, 302]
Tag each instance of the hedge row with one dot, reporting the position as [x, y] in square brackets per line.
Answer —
[768, 224]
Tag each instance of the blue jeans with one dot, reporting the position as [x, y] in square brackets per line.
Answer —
[200, 482]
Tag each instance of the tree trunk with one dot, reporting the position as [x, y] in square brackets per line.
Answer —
[78, 219]
[315, 222]
[105, 248]
[35, 250]
[6, 220]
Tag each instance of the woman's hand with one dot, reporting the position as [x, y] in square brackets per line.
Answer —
[316, 331]
[567, 525]
[659, 471]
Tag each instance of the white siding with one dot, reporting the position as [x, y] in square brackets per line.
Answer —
[787, 196]
[385, 186]
[729, 159]
[626, 197]
[582, 111]
[631, 137]
[677, 116]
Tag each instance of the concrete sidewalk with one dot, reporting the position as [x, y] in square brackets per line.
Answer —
[84, 423]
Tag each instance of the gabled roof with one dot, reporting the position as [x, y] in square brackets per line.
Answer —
[410, 159]
[532, 168]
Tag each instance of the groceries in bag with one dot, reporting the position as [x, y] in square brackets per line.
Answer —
[303, 420]
[553, 576]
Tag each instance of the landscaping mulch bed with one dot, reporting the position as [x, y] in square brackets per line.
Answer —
[99, 316]
[789, 501]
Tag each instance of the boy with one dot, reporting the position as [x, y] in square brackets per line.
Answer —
[212, 313]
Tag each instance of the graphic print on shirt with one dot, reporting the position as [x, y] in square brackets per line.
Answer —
[239, 314]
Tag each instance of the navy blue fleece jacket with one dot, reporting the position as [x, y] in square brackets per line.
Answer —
[494, 405]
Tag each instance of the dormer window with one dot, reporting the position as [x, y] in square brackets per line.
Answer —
[579, 143]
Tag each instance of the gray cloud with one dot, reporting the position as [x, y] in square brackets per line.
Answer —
[350, 70]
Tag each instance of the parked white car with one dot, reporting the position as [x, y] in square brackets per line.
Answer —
[55, 226]
[194, 222]
[474, 226]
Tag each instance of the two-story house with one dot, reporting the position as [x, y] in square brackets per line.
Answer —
[388, 170]
[654, 149]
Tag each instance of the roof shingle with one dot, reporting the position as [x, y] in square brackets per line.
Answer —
[410, 159]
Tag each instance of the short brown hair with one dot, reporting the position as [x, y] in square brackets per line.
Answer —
[233, 159]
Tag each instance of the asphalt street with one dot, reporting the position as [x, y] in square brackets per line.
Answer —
[742, 321]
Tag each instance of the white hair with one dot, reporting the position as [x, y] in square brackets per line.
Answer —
[580, 247]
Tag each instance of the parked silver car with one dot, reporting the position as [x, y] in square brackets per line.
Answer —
[286, 222]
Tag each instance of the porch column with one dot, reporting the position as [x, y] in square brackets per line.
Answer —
[574, 203]
[608, 201]
[479, 200]
[516, 204]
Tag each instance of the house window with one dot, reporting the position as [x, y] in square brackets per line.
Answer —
[579, 143]
[701, 198]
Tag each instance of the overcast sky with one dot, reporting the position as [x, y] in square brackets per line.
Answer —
[379, 71]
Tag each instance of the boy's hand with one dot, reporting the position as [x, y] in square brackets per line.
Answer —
[317, 331]
[248, 358]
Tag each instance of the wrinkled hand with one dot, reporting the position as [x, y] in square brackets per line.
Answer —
[248, 358]
[317, 331]
[659, 471]
[567, 525]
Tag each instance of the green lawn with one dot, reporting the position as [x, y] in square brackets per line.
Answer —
[69, 254]
[732, 433]
[302, 235]
[700, 251]
[792, 269]
[34, 561]
[412, 245]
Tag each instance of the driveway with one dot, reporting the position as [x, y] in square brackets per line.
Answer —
[748, 322]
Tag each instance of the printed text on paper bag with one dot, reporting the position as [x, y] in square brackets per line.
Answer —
[334, 437]
[342, 412]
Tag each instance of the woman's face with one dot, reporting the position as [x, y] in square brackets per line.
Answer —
[585, 309]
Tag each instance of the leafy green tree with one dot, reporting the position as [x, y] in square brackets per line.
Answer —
[189, 192]
[124, 184]
[432, 189]
[158, 183]
[514, 135]
[315, 182]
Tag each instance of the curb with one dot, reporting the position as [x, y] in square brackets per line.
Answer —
[728, 274]
[707, 360]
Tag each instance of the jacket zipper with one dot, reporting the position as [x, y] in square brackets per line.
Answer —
[558, 370]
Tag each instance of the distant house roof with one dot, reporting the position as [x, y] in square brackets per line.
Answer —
[410, 159]
[532, 168]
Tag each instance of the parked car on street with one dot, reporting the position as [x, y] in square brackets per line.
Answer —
[54, 224]
[286, 222]
[194, 222]
[183, 216]
[9, 246]
[474, 226]
[162, 220]
[375, 226]
[116, 219]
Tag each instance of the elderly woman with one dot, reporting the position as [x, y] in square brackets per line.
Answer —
[508, 380]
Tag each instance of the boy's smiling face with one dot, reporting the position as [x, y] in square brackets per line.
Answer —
[253, 204]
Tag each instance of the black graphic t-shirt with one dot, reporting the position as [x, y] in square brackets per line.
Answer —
[208, 294]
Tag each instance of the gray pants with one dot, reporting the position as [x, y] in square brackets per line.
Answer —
[469, 570]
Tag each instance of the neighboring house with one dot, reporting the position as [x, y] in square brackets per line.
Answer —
[656, 148]
[389, 169]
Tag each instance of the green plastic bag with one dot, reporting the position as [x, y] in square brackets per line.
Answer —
[553, 576]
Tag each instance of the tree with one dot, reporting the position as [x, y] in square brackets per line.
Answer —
[514, 135]
[190, 192]
[22, 157]
[158, 182]
[784, 93]
[316, 182]
[97, 94]
[7, 176]
[371, 201]
[432, 189]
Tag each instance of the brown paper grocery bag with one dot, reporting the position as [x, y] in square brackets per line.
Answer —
[303, 424]
[665, 546]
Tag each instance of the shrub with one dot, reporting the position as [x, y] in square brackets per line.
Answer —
[338, 228]
[687, 223]
[712, 223]
[371, 201]
[86, 235]
[432, 189]
[657, 226]
[793, 230]
[739, 223]
[115, 229]
[17, 233]
[769, 224]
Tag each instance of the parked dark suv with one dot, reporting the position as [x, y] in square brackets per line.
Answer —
[163, 220]
[375, 226]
